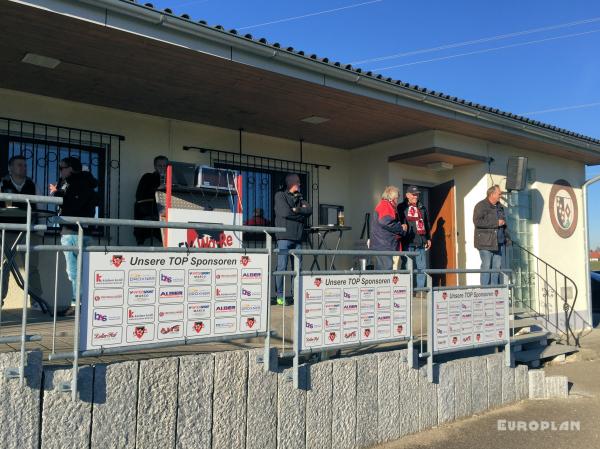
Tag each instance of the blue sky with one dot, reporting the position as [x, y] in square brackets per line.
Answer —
[548, 62]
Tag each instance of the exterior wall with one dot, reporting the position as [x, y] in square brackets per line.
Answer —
[227, 400]
[356, 178]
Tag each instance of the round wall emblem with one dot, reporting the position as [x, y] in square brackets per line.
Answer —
[563, 208]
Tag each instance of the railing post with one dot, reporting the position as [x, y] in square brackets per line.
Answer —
[2, 276]
[430, 324]
[267, 349]
[566, 310]
[25, 295]
[507, 354]
[77, 312]
[411, 356]
[297, 329]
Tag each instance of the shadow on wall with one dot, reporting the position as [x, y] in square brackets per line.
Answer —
[538, 204]
[440, 259]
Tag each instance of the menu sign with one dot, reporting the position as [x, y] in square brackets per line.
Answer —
[139, 298]
[470, 317]
[337, 310]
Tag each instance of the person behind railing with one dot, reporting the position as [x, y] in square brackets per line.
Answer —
[80, 199]
[418, 235]
[291, 213]
[491, 234]
[16, 181]
[387, 228]
[145, 207]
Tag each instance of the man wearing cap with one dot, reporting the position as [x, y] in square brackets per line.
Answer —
[418, 236]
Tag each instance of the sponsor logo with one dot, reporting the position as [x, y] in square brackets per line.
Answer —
[317, 282]
[142, 278]
[117, 260]
[106, 336]
[170, 330]
[395, 279]
[226, 292]
[109, 278]
[332, 336]
[332, 309]
[225, 309]
[400, 329]
[313, 310]
[226, 276]
[383, 293]
[170, 312]
[108, 297]
[332, 323]
[251, 275]
[313, 325]
[202, 293]
[140, 333]
[350, 294]
[332, 294]
[245, 260]
[250, 308]
[367, 293]
[313, 295]
[251, 292]
[496, 292]
[199, 277]
[139, 296]
[107, 317]
[176, 328]
[171, 294]
[399, 292]
[444, 296]
[225, 325]
[367, 333]
[249, 323]
[171, 277]
[350, 308]
[140, 314]
[198, 326]
[200, 310]
[351, 335]
[312, 340]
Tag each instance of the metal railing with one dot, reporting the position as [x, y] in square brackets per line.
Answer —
[553, 287]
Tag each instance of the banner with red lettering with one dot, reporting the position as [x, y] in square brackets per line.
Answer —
[193, 238]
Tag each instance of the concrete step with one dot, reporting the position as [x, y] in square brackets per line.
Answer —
[543, 353]
[520, 323]
[531, 337]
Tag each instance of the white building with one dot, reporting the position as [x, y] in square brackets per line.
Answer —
[119, 83]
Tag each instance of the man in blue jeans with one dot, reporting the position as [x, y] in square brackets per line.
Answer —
[77, 189]
[291, 213]
[418, 235]
[491, 235]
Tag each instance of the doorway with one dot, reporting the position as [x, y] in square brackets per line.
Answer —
[442, 209]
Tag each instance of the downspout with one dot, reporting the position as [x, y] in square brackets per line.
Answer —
[586, 237]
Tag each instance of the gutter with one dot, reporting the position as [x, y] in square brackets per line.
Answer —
[398, 92]
[586, 239]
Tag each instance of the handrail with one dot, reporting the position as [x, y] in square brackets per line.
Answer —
[567, 308]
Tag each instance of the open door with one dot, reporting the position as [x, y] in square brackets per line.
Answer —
[443, 231]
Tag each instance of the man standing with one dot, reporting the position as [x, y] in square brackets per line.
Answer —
[291, 213]
[77, 189]
[418, 236]
[16, 181]
[491, 234]
[145, 207]
[386, 228]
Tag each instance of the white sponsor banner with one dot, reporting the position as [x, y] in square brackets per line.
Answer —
[338, 310]
[204, 239]
[469, 317]
[139, 298]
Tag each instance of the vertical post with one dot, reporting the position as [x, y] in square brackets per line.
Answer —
[168, 201]
[267, 353]
[2, 275]
[411, 356]
[430, 324]
[297, 328]
[25, 295]
[566, 308]
[77, 312]
[55, 301]
[507, 355]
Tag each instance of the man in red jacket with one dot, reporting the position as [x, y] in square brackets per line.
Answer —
[386, 228]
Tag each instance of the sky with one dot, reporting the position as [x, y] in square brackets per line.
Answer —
[536, 58]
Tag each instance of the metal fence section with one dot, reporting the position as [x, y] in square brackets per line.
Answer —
[465, 292]
[301, 298]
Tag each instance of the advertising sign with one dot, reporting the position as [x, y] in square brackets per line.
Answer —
[337, 310]
[193, 238]
[137, 298]
[470, 317]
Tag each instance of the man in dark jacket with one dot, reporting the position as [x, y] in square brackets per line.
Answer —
[80, 199]
[386, 228]
[145, 207]
[291, 213]
[16, 181]
[418, 235]
[491, 234]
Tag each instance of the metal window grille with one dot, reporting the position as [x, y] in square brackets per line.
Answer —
[44, 145]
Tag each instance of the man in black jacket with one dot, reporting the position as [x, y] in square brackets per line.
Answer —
[291, 213]
[491, 234]
[418, 236]
[80, 199]
[145, 207]
[16, 181]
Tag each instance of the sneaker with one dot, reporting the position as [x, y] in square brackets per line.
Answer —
[280, 301]
[69, 311]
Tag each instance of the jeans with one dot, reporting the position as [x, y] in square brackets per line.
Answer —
[282, 262]
[493, 260]
[419, 263]
[384, 262]
[71, 261]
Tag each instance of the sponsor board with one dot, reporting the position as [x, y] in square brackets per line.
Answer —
[469, 317]
[346, 309]
[140, 298]
[109, 297]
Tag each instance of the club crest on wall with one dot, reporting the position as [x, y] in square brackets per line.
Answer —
[563, 208]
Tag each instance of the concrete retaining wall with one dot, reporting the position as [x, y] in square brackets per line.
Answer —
[226, 400]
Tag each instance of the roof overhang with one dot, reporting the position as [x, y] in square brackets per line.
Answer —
[122, 55]
[437, 158]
